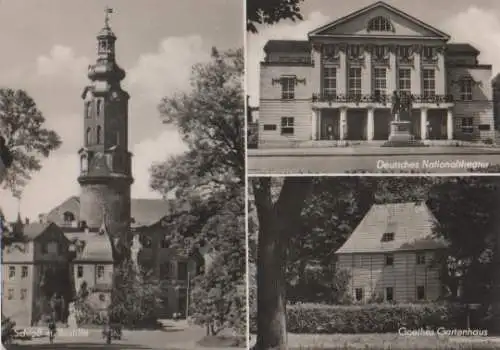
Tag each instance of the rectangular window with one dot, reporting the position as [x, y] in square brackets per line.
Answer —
[12, 272]
[420, 293]
[330, 81]
[429, 78]
[359, 294]
[421, 259]
[100, 272]
[405, 81]
[380, 86]
[269, 127]
[355, 82]
[10, 294]
[182, 270]
[466, 90]
[79, 271]
[388, 236]
[467, 125]
[389, 260]
[24, 292]
[24, 271]
[287, 126]
[389, 294]
[359, 260]
[44, 248]
[288, 88]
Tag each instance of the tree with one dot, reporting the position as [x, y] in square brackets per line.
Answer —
[135, 297]
[271, 12]
[209, 181]
[21, 124]
[278, 220]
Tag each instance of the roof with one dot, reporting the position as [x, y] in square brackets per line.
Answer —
[145, 212]
[460, 48]
[412, 224]
[287, 46]
[96, 248]
[33, 230]
[374, 6]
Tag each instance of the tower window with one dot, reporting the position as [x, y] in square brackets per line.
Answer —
[99, 108]
[98, 135]
[88, 109]
[88, 136]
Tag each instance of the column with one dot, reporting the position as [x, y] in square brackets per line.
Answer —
[440, 74]
[370, 124]
[314, 120]
[342, 73]
[316, 70]
[449, 124]
[416, 74]
[366, 77]
[392, 83]
[423, 123]
[343, 123]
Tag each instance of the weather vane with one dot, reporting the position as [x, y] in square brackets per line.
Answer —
[107, 11]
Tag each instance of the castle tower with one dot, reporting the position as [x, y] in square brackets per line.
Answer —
[105, 162]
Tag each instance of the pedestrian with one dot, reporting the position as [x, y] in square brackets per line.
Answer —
[52, 329]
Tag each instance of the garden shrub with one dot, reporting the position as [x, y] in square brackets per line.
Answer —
[370, 318]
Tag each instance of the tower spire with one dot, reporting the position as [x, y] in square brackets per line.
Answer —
[107, 12]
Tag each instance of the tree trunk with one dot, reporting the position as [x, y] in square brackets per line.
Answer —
[276, 223]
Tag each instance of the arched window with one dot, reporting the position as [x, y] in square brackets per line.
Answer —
[84, 164]
[88, 136]
[98, 135]
[88, 109]
[379, 24]
[99, 107]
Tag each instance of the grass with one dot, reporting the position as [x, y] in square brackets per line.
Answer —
[390, 341]
[222, 341]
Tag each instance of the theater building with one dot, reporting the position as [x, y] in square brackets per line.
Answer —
[337, 84]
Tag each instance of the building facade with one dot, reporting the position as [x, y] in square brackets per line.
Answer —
[24, 264]
[389, 255]
[337, 85]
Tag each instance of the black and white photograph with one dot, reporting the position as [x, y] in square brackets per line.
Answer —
[122, 174]
[373, 86]
[374, 262]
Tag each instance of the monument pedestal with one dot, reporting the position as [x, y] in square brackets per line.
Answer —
[400, 131]
[401, 136]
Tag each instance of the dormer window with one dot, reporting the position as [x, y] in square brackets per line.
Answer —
[379, 24]
[388, 236]
[68, 217]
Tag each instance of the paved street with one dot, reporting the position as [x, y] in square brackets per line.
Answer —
[342, 160]
[172, 337]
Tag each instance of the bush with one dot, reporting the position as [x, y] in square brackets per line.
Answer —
[8, 329]
[370, 318]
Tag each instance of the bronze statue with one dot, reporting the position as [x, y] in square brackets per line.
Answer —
[396, 105]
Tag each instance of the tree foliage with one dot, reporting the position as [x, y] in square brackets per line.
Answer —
[135, 297]
[209, 180]
[22, 126]
[271, 12]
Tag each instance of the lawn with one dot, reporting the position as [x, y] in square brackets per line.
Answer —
[389, 341]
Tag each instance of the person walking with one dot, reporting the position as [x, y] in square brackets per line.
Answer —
[52, 329]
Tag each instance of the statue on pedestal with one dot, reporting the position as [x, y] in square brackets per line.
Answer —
[396, 105]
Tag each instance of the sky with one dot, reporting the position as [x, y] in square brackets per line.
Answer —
[476, 22]
[47, 47]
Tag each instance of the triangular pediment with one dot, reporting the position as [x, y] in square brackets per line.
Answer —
[357, 24]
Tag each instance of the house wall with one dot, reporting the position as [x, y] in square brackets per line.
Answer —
[368, 271]
[19, 310]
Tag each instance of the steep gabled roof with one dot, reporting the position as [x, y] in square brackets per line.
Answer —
[412, 224]
[96, 247]
[287, 46]
[378, 4]
[461, 48]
